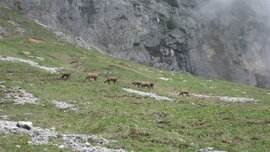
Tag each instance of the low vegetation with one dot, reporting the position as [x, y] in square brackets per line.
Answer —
[171, 25]
[135, 122]
[173, 3]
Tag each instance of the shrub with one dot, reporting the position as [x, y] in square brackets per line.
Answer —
[173, 3]
[171, 25]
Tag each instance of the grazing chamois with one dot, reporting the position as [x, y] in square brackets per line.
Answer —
[113, 79]
[149, 85]
[146, 85]
[185, 92]
[65, 76]
[91, 75]
[136, 83]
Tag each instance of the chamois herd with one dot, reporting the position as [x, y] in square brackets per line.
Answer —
[94, 76]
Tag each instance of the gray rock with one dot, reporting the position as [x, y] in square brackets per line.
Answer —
[64, 105]
[25, 125]
[2, 31]
[40, 136]
[20, 31]
[5, 117]
[2, 86]
[20, 96]
[226, 40]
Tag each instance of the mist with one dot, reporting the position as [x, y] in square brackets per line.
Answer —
[253, 8]
[248, 20]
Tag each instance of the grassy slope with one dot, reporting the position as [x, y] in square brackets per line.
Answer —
[127, 118]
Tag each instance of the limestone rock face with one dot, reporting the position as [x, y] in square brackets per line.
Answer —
[210, 38]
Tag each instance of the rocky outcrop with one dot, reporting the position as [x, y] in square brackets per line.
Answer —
[41, 136]
[210, 38]
[2, 32]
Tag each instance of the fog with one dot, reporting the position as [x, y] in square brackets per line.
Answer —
[250, 16]
[211, 9]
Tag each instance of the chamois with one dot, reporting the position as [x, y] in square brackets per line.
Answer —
[184, 92]
[136, 83]
[113, 79]
[65, 76]
[146, 85]
[149, 85]
[91, 75]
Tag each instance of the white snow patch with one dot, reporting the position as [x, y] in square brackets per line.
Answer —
[146, 94]
[43, 25]
[64, 105]
[225, 98]
[32, 63]
[210, 149]
[165, 79]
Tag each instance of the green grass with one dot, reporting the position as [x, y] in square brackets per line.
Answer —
[129, 119]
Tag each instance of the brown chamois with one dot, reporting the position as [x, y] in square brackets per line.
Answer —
[146, 85]
[91, 75]
[149, 85]
[65, 76]
[185, 92]
[113, 79]
[137, 83]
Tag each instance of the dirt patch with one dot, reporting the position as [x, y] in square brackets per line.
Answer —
[34, 64]
[258, 122]
[136, 134]
[35, 41]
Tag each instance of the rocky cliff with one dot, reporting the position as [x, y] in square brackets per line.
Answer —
[210, 38]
